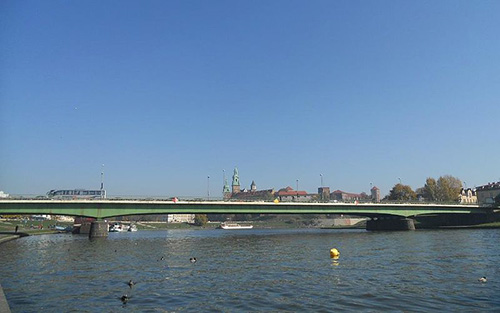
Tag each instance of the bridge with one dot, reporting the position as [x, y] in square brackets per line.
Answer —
[102, 209]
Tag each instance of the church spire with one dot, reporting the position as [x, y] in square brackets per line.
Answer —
[236, 181]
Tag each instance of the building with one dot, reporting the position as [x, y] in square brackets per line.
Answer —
[375, 193]
[289, 195]
[340, 195]
[180, 218]
[253, 186]
[249, 195]
[324, 194]
[236, 193]
[468, 196]
[236, 182]
[487, 194]
[226, 191]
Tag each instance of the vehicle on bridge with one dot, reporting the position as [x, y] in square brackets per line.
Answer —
[68, 194]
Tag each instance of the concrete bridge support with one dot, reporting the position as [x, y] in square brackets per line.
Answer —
[98, 229]
[385, 224]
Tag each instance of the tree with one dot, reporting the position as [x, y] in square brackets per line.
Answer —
[402, 192]
[497, 200]
[200, 219]
[420, 191]
[448, 188]
[430, 189]
[364, 196]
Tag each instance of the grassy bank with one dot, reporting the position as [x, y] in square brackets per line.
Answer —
[485, 226]
[31, 227]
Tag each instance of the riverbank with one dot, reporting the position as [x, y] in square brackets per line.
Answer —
[7, 237]
[481, 226]
[270, 224]
[7, 229]
[14, 229]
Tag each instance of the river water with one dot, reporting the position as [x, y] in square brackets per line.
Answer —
[255, 270]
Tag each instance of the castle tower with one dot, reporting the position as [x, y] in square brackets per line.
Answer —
[236, 181]
[226, 191]
[375, 193]
[253, 186]
[324, 194]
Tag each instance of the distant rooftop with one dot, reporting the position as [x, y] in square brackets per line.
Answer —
[489, 186]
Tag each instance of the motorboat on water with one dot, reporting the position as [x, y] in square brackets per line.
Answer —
[62, 228]
[231, 226]
[117, 228]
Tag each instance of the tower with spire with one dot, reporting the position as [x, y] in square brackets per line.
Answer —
[226, 191]
[236, 181]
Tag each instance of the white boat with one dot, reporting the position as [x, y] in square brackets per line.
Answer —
[132, 228]
[235, 226]
[117, 228]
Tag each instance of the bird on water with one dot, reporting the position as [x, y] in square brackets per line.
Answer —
[483, 279]
[192, 260]
[124, 298]
[131, 283]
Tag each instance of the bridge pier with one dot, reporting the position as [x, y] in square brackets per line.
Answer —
[386, 224]
[98, 229]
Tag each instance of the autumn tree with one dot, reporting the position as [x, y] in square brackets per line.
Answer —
[402, 192]
[200, 219]
[430, 189]
[448, 188]
[445, 189]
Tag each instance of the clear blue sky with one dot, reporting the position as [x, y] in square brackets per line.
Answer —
[166, 93]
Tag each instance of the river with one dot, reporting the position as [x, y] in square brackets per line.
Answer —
[255, 270]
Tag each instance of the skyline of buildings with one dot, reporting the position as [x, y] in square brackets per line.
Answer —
[289, 194]
[484, 194]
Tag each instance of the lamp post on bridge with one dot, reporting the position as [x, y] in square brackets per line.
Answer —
[297, 190]
[102, 181]
[321, 177]
[208, 188]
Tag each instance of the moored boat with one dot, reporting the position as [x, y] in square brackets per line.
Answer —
[231, 226]
[117, 228]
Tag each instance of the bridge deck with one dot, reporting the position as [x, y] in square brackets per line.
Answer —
[110, 208]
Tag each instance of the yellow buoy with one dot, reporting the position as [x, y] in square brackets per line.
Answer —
[334, 253]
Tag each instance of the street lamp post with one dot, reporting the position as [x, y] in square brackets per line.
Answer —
[400, 180]
[321, 176]
[223, 183]
[208, 188]
[297, 191]
[102, 181]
